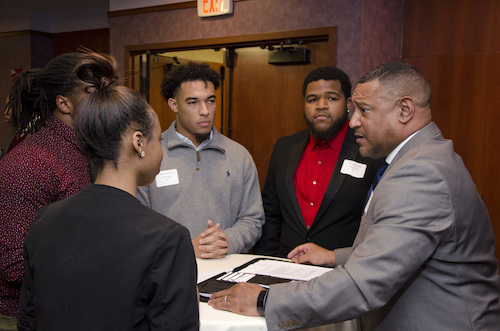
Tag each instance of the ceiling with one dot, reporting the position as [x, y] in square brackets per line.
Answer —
[53, 15]
[53, 5]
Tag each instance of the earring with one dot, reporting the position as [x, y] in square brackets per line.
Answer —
[142, 154]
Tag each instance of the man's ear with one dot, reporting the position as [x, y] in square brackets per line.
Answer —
[349, 106]
[172, 103]
[407, 109]
[64, 105]
[348, 103]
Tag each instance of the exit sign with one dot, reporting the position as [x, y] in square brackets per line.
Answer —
[214, 7]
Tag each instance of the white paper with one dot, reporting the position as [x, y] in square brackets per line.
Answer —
[236, 277]
[286, 270]
[167, 178]
[203, 276]
[353, 168]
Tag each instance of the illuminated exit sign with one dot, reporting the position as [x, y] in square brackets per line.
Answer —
[214, 7]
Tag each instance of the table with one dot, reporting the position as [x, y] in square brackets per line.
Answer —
[218, 320]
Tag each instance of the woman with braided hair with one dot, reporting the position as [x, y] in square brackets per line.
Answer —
[47, 166]
[100, 260]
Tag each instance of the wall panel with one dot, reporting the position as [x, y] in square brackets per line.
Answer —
[442, 27]
[96, 40]
[456, 45]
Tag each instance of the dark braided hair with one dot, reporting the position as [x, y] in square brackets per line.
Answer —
[104, 115]
[33, 95]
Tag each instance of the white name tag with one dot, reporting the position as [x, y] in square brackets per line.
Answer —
[353, 168]
[167, 178]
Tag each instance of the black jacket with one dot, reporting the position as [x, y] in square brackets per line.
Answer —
[100, 260]
[337, 221]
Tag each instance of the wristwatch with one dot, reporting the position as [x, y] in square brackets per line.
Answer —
[261, 301]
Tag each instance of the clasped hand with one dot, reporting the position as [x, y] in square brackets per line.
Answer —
[211, 243]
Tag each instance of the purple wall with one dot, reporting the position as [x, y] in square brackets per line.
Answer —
[369, 31]
[382, 32]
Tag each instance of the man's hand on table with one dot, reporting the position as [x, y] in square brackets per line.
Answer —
[211, 243]
[313, 254]
[240, 298]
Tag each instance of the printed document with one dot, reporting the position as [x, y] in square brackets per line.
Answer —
[287, 270]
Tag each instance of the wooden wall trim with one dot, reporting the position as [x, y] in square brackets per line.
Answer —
[329, 33]
[79, 33]
[315, 34]
[47, 34]
[25, 32]
[152, 9]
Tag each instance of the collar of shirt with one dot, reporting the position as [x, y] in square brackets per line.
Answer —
[189, 142]
[392, 155]
[335, 143]
[62, 129]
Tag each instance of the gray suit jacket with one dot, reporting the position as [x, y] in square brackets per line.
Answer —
[423, 259]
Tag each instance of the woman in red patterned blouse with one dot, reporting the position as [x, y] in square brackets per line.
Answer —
[46, 167]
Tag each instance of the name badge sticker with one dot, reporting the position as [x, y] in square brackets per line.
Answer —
[167, 178]
[353, 168]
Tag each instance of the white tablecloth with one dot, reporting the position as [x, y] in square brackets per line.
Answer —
[219, 320]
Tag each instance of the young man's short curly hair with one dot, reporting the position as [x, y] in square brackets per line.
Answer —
[329, 73]
[187, 73]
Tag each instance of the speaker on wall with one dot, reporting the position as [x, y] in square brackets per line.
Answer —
[290, 55]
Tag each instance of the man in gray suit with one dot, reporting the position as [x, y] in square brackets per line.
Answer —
[423, 258]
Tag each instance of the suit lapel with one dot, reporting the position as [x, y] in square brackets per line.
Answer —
[430, 131]
[293, 161]
[349, 151]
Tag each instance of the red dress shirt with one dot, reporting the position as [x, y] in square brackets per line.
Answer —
[46, 167]
[314, 172]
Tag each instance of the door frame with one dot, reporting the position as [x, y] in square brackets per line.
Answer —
[328, 34]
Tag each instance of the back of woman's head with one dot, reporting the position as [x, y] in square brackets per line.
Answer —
[108, 111]
[33, 95]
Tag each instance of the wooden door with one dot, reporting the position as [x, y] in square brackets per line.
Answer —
[267, 101]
